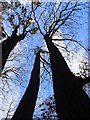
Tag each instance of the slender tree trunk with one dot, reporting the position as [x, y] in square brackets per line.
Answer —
[26, 106]
[9, 44]
[71, 101]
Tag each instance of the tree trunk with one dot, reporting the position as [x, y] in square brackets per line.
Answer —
[9, 44]
[71, 101]
[26, 106]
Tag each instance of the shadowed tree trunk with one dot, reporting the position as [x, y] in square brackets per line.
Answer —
[9, 44]
[26, 106]
[71, 100]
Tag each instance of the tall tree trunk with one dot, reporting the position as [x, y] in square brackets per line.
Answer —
[71, 101]
[26, 106]
[9, 44]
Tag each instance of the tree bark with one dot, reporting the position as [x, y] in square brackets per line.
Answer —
[71, 101]
[26, 106]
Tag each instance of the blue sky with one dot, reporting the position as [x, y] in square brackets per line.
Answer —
[27, 59]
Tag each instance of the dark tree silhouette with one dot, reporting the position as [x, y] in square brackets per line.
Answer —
[71, 101]
[9, 44]
[26, 106]
[11, 41]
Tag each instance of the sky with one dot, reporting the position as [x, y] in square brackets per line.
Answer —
[27, 62]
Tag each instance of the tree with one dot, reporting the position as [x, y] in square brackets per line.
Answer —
[26, 106]
[9, 44]
[23, 21]
[68, 92]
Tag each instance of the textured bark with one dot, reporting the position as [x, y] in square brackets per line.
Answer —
[26, 106]
[9, 44]
[71, 101]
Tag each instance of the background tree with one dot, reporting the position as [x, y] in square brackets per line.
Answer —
[84, 72]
